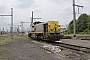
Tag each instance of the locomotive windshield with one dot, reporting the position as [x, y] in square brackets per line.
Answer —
[37, 22]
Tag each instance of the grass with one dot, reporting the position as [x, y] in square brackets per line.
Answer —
[22, 36]
[4, 49]
[5, 38]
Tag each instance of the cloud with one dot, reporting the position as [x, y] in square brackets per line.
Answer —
[2, 8]
[58, 1]
[37, 10]
[36, 6]
[23, 4]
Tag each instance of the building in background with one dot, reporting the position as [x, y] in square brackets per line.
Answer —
[63, 28]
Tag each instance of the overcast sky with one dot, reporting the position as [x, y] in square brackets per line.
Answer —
[60, 10]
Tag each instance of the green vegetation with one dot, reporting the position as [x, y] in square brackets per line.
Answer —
[82, 25]
[22, 36]
[5, 38]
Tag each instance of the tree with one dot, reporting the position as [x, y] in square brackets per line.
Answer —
[89, 22]
[71, 27]
[82, 23]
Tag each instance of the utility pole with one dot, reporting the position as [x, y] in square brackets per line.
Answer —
[74, 16]
[11, 22]
[33, 18]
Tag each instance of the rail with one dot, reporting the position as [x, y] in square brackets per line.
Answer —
[73, 47]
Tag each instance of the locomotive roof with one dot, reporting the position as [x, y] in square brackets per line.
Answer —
[41, 23]
[37, 22]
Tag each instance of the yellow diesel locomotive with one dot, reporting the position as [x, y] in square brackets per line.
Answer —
[45, 31]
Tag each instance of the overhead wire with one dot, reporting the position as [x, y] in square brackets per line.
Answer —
[79, 8]
[5, 12]
[5, 4]
[47, 15]
[79, 2]
[3, 20]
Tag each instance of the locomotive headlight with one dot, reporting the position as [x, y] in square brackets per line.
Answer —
[59, 25]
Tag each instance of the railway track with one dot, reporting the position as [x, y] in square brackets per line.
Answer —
[70, 46]
[73, 47]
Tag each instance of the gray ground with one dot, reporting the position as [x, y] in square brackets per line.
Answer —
[22, 49]
[84, 43]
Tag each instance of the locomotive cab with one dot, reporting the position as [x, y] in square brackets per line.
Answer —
[53, 30]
